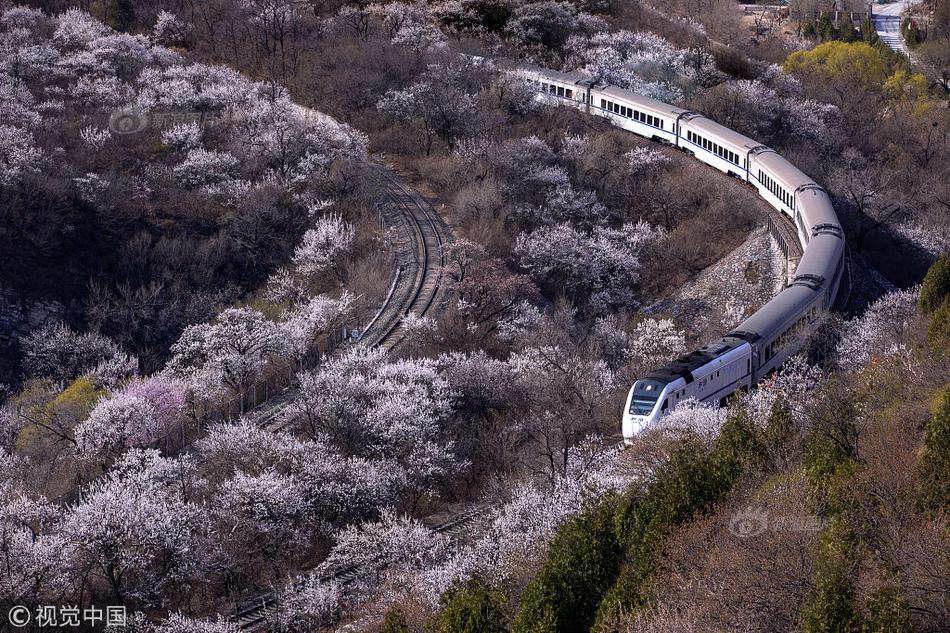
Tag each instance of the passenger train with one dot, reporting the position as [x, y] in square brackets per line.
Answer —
[762, 342]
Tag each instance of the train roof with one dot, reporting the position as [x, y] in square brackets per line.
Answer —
[639, 100]
[782, 171]
[572, 77]
[699, 123]
[773, 317]
[822, 256]
[684, 366]
[816, 208]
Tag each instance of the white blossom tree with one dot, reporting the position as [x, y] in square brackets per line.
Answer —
[144, 412]
[302, 325]
[267, 519]
[60, 354]
[323, 245]
[441, 103]
[35, 556]
[205, 167]
[76, 28]
[362, 406]
[601, 267]
[18, 154]
[873, 336]
[134, 535]
[183, 137]
[230, 352]
[170, 30]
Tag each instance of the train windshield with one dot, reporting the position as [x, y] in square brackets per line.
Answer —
[645, 395]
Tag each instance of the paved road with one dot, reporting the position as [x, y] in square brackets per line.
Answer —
[887, 23]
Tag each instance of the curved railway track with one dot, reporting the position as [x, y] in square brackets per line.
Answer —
[415, 289]
[420, 262]
[254, 614]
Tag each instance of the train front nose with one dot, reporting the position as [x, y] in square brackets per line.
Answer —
[640, 407]
[632, 425]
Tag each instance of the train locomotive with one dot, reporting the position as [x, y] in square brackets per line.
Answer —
[761, 343]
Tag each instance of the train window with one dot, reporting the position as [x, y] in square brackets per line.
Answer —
[603, 104]
[661, 123]
[569, 93]
[666, 404]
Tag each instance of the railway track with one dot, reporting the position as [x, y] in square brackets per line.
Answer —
[253, 615]
[416, 283]
[420, 261]
[414, 290]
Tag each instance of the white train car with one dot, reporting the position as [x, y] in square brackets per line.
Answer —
[761, 343]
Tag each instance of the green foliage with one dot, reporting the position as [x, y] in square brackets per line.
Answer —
[889, 612]
[849, 34]
[394, 621]
[691, 483]
[76, 401]
[473, 608]
[938, 332]
[910, 32]
[808, 28]
[582, 562]
[778, 428]
[831, 451]
[825, 28]
[934, 470]
[829, 607]
[936, 286]
[868, 32]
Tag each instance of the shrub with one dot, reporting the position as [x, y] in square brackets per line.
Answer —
[936, 286]
[889, 612]
[825, 28]
[868, 32]
[394, 621]
[691, 483]
[938, 332]
[934, 469]
[829, 607]
[849, 34]
[582, 562]
[808, 29]
[474, 608]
